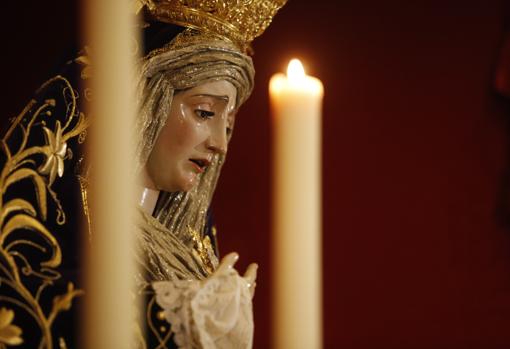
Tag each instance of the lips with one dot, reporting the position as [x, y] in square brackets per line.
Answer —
[200, 164]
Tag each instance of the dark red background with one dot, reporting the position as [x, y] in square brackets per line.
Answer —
[416, 162]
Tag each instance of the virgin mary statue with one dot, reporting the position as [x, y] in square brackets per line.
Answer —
[195, 74]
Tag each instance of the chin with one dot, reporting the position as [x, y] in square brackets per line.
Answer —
[186, 184]
[185, 188]
[182, 183]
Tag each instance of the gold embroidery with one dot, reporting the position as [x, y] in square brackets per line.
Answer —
[62, 343]
[161, 315]
[83, 181]
[54, 163]
[38, 165]
[9, 334]
[162, 337]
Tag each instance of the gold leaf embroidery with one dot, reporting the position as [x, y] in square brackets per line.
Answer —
[9, 334]
[40, 165]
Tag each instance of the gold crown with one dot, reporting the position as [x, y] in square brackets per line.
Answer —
[239, 21]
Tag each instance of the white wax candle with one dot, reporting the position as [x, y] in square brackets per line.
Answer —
[109, 291]
[296, 101]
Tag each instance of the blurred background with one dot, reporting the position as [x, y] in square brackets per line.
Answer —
[416, 163]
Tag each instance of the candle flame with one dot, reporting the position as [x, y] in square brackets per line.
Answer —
[295, 70]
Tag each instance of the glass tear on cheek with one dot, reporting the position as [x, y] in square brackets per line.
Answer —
[182, 114]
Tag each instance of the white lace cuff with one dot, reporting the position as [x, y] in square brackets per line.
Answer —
[213, 313]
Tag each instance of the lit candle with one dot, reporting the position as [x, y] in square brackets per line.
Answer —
[296, 101]
[109, 291]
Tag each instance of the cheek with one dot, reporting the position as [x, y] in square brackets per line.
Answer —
[181, 135]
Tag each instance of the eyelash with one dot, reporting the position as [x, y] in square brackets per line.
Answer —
[204, 114]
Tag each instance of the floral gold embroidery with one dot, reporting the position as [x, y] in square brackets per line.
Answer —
[55, 157]
[23, 219]
[9, 334]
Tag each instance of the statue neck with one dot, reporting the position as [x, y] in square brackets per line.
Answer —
[147, 199]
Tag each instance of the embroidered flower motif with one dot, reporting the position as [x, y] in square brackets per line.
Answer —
[9, 334]
[55, 158]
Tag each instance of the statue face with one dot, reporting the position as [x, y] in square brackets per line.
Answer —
[197, 128]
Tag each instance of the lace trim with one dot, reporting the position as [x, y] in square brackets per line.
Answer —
[212, 313]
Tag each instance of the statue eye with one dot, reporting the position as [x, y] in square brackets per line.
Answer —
[204, 114]
[229, 131]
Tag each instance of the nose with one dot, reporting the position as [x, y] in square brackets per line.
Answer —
[218, 142]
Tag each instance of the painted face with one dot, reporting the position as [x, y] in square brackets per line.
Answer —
[197, 128]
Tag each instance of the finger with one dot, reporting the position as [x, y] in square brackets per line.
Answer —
[252, 289]
[228, 261]
[251, 273]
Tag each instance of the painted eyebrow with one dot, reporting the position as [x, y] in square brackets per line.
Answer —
[222, 98]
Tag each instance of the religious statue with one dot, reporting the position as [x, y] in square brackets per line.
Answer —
[195, 73]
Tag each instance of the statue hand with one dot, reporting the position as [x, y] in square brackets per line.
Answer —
[215, 312]
[250, 275]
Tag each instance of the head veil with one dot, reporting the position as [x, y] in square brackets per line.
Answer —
[190, 59]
